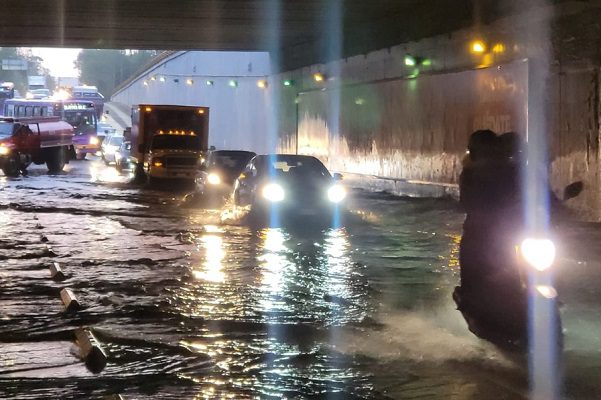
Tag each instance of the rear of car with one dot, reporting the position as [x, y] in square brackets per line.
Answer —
[109, 146]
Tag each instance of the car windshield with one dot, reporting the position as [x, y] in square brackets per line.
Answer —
[116, 140]
[104, 129]
[6, 130]
[82, 121]
[176, 142]
[294, 167]
[229, 160]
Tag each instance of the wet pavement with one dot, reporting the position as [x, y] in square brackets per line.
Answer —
[192, 304]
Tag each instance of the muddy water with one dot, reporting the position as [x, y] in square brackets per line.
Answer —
[189, 305]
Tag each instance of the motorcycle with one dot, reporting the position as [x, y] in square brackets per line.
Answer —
[498, 309]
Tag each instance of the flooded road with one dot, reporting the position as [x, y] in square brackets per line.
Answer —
[189, 305]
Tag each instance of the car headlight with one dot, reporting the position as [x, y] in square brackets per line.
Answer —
[336, 193]
[273, 192]
[213, 179]
[4, 150]
[539, 253]
[94, 140]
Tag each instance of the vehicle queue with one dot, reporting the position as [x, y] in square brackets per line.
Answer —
[170, 142]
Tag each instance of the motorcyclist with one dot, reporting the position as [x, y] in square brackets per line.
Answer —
[491, 290]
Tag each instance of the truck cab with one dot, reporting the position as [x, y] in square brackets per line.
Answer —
[168, 141]
[39, 140]
[175, 154]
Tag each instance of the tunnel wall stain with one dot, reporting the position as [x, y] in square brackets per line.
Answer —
[575, 150]
[414, 129]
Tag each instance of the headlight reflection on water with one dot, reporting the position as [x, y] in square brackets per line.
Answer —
[273, 260]
[338, 262]
[215, 253]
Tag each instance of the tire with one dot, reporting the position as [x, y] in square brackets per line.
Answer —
[140, 174]
[56, 160]
[11, 168]
[80, 156]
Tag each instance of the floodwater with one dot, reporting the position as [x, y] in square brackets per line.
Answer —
[191, 304]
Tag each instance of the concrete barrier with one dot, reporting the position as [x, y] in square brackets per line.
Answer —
[56, 273]
[90, 350]
[70, 301]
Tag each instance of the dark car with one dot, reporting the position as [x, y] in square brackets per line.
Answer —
[122, 156]
[289, 187]
[220, 171]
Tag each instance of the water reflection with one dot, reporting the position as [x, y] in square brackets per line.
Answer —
[338, 262]
[273, 261]
[101, 173]
[214, 254]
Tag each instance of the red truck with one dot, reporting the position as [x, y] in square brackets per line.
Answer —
[39, 140]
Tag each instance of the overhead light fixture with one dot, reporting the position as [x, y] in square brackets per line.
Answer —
[318, 77]
[210, 83]
[409, 60]
[477, 47]
[233, 83]
[498, 48]
[288, 82]
[153, 78]
[145, 83]
[189, 81]
[162, 78]
[262, 83]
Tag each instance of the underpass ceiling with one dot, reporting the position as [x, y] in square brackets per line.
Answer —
[302, 35]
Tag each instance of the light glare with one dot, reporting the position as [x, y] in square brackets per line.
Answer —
[336, 193]
[273, 192]
[539, 253]
[213, 179]
[478, 47]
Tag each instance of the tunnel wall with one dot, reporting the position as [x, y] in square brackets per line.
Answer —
[402, 124]
[415, 129]
[238, 115]
[575, 150]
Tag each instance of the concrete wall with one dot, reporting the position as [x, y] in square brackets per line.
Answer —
[376, 116]
[238, 115]
[575, 150]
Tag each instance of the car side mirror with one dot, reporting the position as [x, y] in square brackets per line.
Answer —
[337, 176]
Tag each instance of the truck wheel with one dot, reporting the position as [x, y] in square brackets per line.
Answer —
[11, 168]
[139, 174]
[56, 159]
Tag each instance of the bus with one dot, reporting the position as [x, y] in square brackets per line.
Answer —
[89, 93]
[79, 114]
